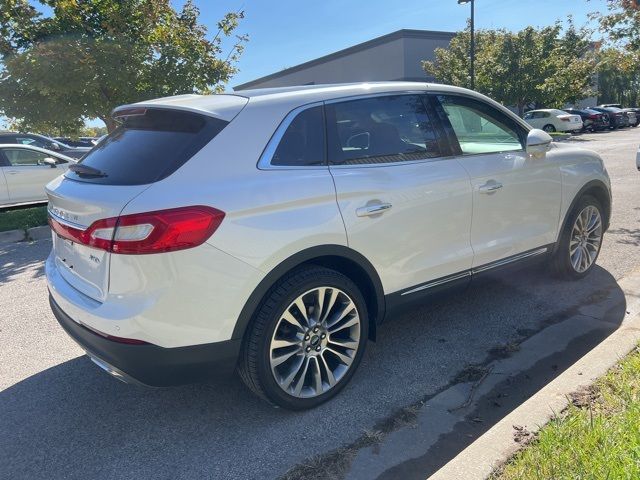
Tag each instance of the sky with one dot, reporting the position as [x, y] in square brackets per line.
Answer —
[284, 33]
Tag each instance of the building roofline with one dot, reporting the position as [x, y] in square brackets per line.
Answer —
[404, 33]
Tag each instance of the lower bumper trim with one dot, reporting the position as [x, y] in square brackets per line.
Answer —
[152, 365]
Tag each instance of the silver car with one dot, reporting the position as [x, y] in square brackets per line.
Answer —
[25, 170]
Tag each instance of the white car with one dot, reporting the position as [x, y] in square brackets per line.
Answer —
[273, 230]
[552, 120]
[24, 172]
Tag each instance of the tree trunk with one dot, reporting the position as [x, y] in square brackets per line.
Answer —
[520, 109]
[110, 123]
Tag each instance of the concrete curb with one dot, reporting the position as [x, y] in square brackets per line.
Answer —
[39, 233]
[497, 445]
[35, 233]
[12, 236]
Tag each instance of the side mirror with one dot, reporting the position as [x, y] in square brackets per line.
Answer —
[54, 146]
[538, 143]
[51, 162]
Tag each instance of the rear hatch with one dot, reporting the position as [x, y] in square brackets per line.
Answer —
[149, 144]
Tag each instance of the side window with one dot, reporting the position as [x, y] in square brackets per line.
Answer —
[479, 127]
[380, 130]
[30, 141]
[19, 157]
[303, 142]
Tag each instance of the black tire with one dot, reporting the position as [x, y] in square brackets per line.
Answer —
[254, 365]
[549, 128]
[561, 262]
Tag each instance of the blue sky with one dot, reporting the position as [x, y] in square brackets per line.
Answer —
[285, 33]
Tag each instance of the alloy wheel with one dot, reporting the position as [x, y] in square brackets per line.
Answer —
[585, 240]
[315, 342]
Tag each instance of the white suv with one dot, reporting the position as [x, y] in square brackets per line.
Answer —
[272, 230]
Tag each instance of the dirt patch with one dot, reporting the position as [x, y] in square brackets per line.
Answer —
[505, 350]
[471, 373]
[585, 397]
[521, 435]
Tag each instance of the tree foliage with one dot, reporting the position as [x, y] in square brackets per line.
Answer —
[621, 23]
[93, 55]
[545, 66]
[619, 76]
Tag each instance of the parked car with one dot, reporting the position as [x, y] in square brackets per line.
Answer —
[41, 141]
[638, 159]
[625, 116]
[616, 116]
[25, 170]
[552, 120]
[273, 230]
[634, 116]
[607, 105]
[80, 142]
[591, 120]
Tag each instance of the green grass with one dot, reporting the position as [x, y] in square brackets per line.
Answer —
[597, 437]
[23, 218]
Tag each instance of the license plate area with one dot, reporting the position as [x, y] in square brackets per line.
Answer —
[85, 268]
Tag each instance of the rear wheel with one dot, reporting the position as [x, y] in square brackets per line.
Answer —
[581, 240]
[549, 128]
[307, 339]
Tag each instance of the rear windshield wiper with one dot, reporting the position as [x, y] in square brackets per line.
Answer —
[86, 170]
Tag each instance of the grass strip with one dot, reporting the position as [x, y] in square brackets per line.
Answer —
[596, 437]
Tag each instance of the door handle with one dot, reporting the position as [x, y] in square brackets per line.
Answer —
[490, 187]
[12, 172]
[370, 210]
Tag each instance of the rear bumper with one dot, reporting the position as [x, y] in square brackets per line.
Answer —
[150, 364]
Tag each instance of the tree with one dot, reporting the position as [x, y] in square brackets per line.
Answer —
[532, 66]
[619, 76]
[621, 23]
[91, 56]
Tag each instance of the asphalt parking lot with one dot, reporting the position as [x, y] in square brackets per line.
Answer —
[61, 417]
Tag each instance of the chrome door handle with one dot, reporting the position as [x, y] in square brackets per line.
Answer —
[12, 172]
[370, 210]
[490, 187]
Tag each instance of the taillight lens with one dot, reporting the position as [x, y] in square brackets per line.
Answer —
[151, 232]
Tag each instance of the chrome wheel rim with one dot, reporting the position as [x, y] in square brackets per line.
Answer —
[315, 342]
[586, 237]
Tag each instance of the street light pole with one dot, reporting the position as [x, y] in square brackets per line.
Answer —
[472, 69]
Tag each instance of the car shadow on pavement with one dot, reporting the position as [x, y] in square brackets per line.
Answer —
[74, 421]
[22, 259]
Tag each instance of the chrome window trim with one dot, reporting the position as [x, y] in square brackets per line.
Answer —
[264, 163]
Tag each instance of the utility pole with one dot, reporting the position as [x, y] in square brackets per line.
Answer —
[472, 70]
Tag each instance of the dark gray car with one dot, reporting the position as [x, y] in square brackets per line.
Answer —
[43, 142]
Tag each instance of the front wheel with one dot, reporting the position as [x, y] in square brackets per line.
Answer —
[581, 240]
[307, 339]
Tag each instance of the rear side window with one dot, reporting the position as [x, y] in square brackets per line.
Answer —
[149, 146]
[383, 129]
[303, 141]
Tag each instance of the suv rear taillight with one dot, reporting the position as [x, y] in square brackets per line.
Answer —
[151, 232]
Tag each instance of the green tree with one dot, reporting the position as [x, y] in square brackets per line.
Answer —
[621, 23]
[533, 66]
[619, 76]
[91, 56]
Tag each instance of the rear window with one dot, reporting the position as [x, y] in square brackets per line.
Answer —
[149, 146]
